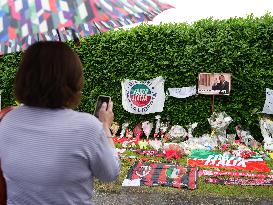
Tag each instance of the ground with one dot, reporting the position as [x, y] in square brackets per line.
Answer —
[129, 197]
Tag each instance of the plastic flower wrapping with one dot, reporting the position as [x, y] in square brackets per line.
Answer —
[157, 125]
[163, 129]
[155, 144]
[190, 128]
[231, 138]
[164, 126]
[138, 131]
[129, 133]
[123, 129]
[244, 135]
[266, 125]
[114, 128]
[219, 123]
[205, 142]
[147, 128]
[177, 133]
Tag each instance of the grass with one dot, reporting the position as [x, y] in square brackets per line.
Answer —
[203, 189]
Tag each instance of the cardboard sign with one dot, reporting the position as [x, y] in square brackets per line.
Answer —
[214, 83]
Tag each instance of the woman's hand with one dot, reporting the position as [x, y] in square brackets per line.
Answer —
[106, 114]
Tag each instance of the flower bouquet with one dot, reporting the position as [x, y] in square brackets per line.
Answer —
[114, 128]
[266, 125]
[138, 131]
[157, 126]
[123, 129]
[147, 128]
[219, 123]
[177, 133]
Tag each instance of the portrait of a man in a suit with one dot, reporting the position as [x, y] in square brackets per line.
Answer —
[222, 86]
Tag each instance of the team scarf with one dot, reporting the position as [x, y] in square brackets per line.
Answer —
[233, 174]
[204, 158]
[153, 174]
[240, 181]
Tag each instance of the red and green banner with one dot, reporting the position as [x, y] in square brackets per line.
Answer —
[239, 181]
[233, 174]
[204, 158]
[153, 174]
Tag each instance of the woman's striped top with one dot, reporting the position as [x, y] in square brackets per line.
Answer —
[50, 156]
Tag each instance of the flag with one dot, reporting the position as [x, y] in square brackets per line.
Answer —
[153, 174]
[204, 158]
[239, 181]
[183, 92]
[143, 97]
[268, 106]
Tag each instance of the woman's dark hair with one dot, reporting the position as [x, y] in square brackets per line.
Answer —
[50, 75]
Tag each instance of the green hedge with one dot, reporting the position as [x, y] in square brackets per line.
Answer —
[177, 52]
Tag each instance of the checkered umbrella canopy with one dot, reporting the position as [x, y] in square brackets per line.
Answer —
[23, 22]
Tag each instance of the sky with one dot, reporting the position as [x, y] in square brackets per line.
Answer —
[192, 10]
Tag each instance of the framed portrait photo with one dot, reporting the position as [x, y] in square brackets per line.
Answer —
[214, 83]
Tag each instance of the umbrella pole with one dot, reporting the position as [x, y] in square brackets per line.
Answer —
[76, 39]
[74, 36]
[96, 27]
[58, 33]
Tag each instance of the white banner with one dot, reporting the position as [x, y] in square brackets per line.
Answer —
[182, 92]
[268, 105]
[143, 97]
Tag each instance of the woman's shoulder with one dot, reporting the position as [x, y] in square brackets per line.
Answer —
[86, 119]
[64, 116]
[83, 115]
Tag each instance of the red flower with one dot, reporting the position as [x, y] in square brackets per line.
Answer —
[172, 154]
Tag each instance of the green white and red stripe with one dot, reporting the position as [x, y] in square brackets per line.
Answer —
[204, 158]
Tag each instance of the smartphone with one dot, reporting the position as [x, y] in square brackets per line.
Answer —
[100, 100]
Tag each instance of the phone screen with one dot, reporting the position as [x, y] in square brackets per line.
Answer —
[101, 99]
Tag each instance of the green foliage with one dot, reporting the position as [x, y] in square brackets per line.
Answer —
[8, 66]
[178, 52]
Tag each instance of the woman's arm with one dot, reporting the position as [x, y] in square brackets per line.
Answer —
[106, 165]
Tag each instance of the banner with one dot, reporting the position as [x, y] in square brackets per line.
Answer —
[143, 97]
[268, 107]
[233, 174]
[153, 174]
[204, 158]
[182, 92]
[239, 181]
